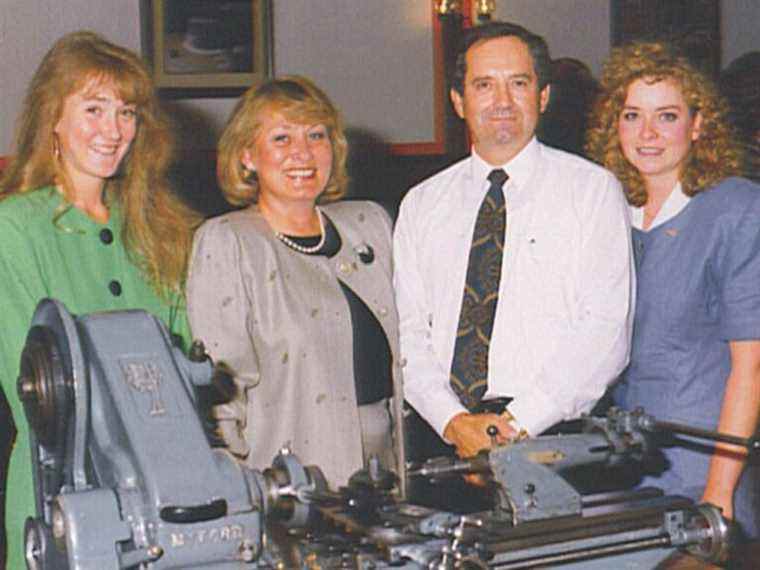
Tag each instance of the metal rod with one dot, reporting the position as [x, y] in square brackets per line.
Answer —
[447, 469]
[751, 443]
[586, 553]
[615, 497]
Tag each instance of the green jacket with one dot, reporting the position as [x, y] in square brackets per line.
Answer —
[82, 264]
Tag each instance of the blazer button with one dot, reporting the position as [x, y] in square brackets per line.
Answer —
[344, 267]
[106, 236]
[115, 288]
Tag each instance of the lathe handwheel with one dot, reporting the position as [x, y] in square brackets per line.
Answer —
[44, 387]
[717, 548]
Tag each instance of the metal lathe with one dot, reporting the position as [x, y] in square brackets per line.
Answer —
[128, 476]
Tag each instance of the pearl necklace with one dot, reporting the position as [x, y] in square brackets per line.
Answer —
[302, 248]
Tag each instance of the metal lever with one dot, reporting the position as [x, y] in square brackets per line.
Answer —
[751, 443]
[639, 420]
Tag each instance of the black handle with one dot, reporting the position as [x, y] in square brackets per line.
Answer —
[199, 513]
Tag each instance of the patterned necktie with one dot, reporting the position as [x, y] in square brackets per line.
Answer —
[469, 367]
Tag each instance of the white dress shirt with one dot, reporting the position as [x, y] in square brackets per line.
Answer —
[563, 321]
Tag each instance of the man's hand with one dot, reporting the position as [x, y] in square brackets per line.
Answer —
[468, 432]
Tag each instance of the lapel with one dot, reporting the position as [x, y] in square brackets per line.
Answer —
[370, 280]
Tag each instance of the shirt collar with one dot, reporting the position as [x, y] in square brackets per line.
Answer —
[673, 206]
[519, 169]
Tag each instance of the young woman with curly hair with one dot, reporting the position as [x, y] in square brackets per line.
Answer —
[661, 127]
[86, 216]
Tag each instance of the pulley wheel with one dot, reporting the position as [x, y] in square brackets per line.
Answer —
[44, 387]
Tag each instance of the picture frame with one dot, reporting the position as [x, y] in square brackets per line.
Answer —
[206, 48]
[443, 120]
[692, 25]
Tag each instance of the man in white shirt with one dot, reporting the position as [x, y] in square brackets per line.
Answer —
[562, 323]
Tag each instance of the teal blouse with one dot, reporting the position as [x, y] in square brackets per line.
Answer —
[79, 262]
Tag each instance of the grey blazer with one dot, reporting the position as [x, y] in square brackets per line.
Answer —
[280, 321]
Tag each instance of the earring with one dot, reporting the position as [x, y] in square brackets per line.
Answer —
[56, 147]
[249, 174]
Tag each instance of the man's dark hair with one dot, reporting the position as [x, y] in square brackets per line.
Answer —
[492, 30]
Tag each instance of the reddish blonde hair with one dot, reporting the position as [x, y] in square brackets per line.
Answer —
[715, 155]
[157, 225]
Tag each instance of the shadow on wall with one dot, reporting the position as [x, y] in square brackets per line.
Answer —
[374, 173]
[194, 171]
[740, 84]
[370, 166]
[382, 177]
[573, 91]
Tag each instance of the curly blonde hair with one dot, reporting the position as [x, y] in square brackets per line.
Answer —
[298, 100]
[715, 155]
[157, 225]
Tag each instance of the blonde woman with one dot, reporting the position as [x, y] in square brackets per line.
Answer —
[293, 292]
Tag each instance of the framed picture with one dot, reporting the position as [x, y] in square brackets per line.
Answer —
[442, 121]
[693, 25]
[207, 48]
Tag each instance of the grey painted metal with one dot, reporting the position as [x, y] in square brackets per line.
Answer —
[92, 529]
[148, 453]
[141, 484]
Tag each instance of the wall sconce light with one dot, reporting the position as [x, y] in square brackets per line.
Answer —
[485, 9]
[447, 7]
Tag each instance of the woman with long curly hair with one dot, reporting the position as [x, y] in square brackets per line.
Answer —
[661, 127]
[86, 215]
